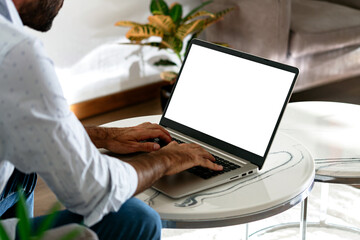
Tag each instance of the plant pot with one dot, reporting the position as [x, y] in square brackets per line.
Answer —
[165, 92]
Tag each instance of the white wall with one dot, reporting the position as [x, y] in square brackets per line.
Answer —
[83, 44]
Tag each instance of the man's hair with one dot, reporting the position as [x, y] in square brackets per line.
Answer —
[40, 14]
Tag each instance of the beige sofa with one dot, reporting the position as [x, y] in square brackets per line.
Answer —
[320, 37]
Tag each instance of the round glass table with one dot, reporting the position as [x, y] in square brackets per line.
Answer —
[285, 180]
[331, 132]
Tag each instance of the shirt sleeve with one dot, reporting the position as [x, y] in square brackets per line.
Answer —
[42, 135]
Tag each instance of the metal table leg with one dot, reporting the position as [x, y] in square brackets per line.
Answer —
[304, 224]
[246, 232]
[303, 220]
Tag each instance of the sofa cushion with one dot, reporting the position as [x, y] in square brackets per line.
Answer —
[318, 26]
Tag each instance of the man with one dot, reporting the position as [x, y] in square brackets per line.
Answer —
[40, 134]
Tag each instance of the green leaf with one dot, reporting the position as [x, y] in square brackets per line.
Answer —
[3, 233]
[141, 32]
[224, 12]
[21, 213]
[176, 13]
[163, 23]
[173, 43]
[195, 10]
[200, 14]
[218, 16]
[150, 44]
[46, 223]
[188, 42]
[165, 62]
[127, 24]
[191, 27]
[159, 7]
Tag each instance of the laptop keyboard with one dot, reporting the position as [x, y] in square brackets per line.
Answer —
[206, 173]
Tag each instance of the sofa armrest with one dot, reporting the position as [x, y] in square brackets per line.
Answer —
[259, 27]
[349, 3]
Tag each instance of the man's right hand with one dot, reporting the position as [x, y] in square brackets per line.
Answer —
[169, 160]
[184, 156]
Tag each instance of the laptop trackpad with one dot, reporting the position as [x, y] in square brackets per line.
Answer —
[181, 184]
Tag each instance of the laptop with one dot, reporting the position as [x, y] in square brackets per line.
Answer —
[230, 103]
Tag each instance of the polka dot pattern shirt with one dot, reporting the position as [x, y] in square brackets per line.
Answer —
[38, 132]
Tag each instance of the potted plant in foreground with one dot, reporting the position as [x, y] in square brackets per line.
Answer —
[24, 227]
[174, 30]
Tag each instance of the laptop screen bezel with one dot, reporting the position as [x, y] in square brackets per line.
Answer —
[234, 150]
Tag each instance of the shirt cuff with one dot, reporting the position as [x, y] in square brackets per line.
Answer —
[132, 177]
[123, 181]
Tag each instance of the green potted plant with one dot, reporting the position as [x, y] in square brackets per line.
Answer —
[24, 226]
[174, 30]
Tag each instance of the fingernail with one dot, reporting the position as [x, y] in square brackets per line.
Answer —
[156, 146]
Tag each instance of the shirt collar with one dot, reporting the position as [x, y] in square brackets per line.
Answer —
[8, 10]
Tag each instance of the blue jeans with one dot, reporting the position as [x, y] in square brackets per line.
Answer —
[9, 196]
[134, 220]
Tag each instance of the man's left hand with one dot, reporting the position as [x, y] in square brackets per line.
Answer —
[129, 139]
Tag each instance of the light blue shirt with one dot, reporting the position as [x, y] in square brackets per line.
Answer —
[39, 133]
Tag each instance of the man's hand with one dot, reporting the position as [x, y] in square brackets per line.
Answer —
[130, 139]
[157, 163]
[169, 160]
[180, 157]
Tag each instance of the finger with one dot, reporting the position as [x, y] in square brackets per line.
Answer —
[165, 137]
[209, 156]
[162, 129]
[155, 126]
[151, 125]
[208, 164]
[171, 144]
[205, 154]
[153, 133]
[146, 147]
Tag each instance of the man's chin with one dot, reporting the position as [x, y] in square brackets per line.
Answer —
[40, 28]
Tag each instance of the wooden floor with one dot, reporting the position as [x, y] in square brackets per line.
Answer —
[345, 91]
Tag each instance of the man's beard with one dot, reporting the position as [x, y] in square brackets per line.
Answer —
[40, 14]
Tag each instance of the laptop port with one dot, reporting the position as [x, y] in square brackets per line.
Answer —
[250, 172]
[244, 174]
[234, 177]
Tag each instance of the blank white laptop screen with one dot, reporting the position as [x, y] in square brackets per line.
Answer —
[230, 98]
